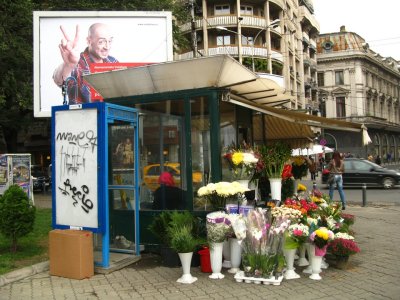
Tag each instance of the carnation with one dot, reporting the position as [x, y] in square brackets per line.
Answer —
[343, 247]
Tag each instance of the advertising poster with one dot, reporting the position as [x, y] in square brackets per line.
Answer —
[69, 45]
[3, 173]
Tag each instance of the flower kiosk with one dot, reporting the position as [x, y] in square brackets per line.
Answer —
[190, 113]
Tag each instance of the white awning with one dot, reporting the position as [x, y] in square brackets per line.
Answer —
[220, 71]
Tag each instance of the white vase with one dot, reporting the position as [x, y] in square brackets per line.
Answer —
[226, 253]
[253, 185]
[244, 182]
[310, 253]
[236, 256]
[186, 259]
[302, 262]
[216, 260]
[315, 264]
[289, 257]
[276, 186]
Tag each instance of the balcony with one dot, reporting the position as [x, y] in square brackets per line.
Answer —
[232, 50]
[305, 14]
[229, 21]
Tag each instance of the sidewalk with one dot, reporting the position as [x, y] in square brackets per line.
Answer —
[374, 273]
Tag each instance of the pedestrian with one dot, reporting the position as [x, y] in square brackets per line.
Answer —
[336, 169]
[312, 167]
[370, 157]
[378, 160]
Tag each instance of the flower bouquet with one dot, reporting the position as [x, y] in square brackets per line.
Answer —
[218, 225]
[296, 235]
[299, 167]
[221, 193]
[343, 247]
[274, 158]
[242, 162]
[320, 238]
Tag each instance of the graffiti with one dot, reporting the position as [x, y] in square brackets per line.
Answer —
[77, 195]
[81, 140]
[71, 159]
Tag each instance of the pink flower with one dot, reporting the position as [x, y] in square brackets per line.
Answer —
[297, 232]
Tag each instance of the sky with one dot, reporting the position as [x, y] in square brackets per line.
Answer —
[377, 21]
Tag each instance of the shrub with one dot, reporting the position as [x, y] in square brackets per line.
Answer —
[17, 215]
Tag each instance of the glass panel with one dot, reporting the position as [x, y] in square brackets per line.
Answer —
[201, 155]
[162, 155]
[228, 135]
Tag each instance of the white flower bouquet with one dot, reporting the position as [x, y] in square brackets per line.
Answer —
[218, 226]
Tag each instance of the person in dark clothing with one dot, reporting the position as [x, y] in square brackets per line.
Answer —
[167, 196]
[378, 160]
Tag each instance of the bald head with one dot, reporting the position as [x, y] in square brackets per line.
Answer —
[99, 41]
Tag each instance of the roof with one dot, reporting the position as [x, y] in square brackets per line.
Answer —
[221, 71]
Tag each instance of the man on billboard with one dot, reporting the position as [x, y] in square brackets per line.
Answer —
[70, 72]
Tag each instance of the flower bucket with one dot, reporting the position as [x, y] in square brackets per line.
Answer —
[205, 262]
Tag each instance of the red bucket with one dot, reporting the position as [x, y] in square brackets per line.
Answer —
[205, 262]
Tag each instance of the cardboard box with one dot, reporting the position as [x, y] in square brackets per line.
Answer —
[71, 253]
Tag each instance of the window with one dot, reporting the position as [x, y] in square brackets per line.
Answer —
[339, 79]
[222, 10]
[246, 10]
[247, 40]
[223, 40]
[340, 107]
[320, 78]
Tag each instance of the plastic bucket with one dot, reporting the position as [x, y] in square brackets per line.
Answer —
[205, 262]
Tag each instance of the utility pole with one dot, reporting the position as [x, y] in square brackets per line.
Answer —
[193, 29]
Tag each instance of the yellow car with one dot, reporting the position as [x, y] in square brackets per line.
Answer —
[151, 173]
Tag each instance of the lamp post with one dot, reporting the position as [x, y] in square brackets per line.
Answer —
[272, 24]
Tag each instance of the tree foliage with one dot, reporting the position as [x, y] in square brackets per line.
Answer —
[17, 215]
[16, 50]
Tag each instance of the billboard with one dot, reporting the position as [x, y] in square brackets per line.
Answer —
[68, 44]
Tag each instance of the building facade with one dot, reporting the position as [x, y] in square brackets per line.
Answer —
[358, 85]
[274, 38]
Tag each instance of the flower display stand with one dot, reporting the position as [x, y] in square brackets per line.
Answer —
[186, 259]
[289, 256]
[216, 260]
[302, 262]
[240, 277]
[226, 254]
[236, 256]
[316, 260]
[276, 186]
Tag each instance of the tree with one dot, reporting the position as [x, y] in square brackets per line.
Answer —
[17, 215]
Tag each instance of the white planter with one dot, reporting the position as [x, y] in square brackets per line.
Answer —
[308, 270]
[302, 262]
[216, 260]
[226, 253]
[315, 264]
[289, 257]
[186, 259]
[276, 186]
[244, 182]
[253, 185]
[236, 256]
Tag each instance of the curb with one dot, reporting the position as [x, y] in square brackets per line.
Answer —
[23, 273]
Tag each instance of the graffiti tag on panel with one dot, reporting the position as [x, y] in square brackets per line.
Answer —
[76, 148]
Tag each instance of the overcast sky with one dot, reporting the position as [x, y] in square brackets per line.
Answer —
[377, 21]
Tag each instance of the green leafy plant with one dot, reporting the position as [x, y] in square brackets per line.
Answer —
[17, 215]
[159, 226]
[182, 239]
[274, 157]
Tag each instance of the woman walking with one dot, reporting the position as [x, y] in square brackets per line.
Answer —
[336, 168]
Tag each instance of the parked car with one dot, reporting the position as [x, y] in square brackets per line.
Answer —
[152, 172]
[40, 179]
[359, 171]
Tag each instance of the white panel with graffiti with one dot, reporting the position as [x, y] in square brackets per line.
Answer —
[76, 168]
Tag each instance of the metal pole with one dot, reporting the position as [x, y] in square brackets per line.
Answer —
[364, 195]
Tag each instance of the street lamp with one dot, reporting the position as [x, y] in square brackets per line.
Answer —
[272, 24]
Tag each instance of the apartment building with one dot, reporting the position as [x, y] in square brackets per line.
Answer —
[274, 38]
[357, 84]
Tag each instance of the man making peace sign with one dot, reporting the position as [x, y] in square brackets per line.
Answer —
[75, 65]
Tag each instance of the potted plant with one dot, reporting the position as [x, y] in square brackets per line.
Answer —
[184, 243]
[342, 247]
[274, 157]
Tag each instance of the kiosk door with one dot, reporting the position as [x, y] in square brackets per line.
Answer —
[122, 187]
